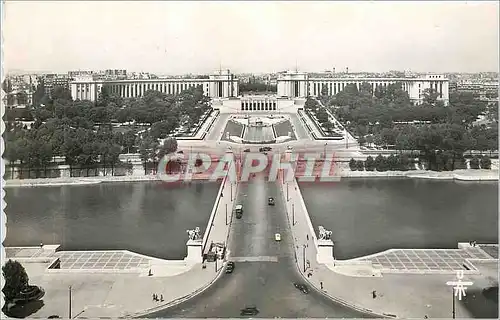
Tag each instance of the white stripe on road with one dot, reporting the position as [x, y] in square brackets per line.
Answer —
[254, 259]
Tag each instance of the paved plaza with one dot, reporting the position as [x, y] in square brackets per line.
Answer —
[27, 252]
[426, 260]
[102, 260]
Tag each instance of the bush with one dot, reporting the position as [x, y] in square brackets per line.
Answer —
[392, 162]
[404, 162]
[360, 165]
[474, 163]
[353, 165]
[16, 280]
[370, 164]
[485, 162]
[380, 163]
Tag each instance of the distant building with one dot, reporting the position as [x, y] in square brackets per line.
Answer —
[485, 90]
[50, 81]
[21, 91]
[116, 74]
[301, 85]
[219, 85]
[78, 74]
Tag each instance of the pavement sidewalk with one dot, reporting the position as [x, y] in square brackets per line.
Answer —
[224, 213]
[397, 295]
[97, 295]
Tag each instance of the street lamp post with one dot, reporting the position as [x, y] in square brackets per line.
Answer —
[453, 304]
[304, 256]
[324, 151]
[287, 197]
[346, 138]
[226, 214]
[293, 214]
[231, 191]
[69, 302]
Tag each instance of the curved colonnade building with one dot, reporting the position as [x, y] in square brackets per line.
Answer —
[300, 85]
[222, 87]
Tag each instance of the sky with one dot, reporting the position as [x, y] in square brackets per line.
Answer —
[201, 37]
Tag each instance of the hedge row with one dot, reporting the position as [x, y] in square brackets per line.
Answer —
[404, 163]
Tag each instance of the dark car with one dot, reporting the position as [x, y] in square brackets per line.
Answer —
[249, 311]
[246, 150]
[270, 201]
[265, 149]
[230, 267]
[180, 151]
[302, 287]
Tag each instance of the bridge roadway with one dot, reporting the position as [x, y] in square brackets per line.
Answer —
[265, 269]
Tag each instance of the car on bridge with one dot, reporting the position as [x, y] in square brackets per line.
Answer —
[249, 311]
[230, 267]
[239, 211]
[302, 287]
[265, 149]
[277, 237]
[270, 201]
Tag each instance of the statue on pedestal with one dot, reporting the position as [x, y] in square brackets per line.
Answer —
[324, 234]
[194, 234]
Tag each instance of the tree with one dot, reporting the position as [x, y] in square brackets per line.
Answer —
[380, 163]
[430, 96]
[360, 165]
[485, 162]
[169, 145]
[16, 280]
[353, 164]
[392, 162]
[129, 140]
[369, 164]
[474, 163]
[404, 162]
[62, 93]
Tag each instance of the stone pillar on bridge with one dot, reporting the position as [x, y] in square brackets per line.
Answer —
[194, 251]
[325, 251]
[324, 246]
[194, 246]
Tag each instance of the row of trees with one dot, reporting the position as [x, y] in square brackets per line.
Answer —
[380, 163]
[312, 106]
[83, 132]
[436, 131]
[402, 162]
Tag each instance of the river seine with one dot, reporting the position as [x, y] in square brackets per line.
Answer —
[365, 215]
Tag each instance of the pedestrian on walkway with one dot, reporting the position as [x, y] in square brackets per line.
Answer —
[161, 298]
[307, 236]
[374, 294]
[321, 284]
[153, 297]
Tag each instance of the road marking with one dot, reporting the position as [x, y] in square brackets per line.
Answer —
[255, 259]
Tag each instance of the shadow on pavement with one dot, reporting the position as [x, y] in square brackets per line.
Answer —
[23, 310]
[482, 303]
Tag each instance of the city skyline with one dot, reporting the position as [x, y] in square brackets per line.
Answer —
[181, 38]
